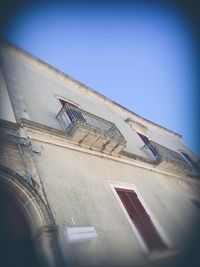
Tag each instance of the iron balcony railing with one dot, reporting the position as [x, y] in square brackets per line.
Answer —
[158, 152]
[69, 115]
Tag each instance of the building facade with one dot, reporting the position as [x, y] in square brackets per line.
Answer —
[90, 182]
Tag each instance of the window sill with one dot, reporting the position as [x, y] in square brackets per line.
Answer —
[160, 255]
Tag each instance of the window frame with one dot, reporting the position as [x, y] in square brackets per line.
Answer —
[189, 160]
[145, 139]
[68, 101]
[159, 229]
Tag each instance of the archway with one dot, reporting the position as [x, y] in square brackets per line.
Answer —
[16, 245]
[28, 233]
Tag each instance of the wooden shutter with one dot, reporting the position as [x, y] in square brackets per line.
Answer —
[141, 219]
[144, 138]
[146, 141]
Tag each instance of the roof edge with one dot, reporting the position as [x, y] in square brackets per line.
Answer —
[25, 53]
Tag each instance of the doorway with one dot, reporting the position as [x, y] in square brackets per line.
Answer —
[16, 246]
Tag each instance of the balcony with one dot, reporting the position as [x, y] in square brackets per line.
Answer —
[91, 131]
[167, 159]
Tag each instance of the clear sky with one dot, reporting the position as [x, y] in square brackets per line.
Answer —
[143, 56]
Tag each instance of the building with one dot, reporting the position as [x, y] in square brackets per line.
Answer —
[85, 181]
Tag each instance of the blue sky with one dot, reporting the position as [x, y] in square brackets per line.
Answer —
[143, 56]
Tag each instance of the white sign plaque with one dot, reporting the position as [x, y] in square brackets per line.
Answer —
[76, 234]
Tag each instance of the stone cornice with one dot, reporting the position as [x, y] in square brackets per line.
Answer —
[59, 138]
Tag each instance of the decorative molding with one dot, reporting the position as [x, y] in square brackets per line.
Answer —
[138, 127]
[47, 231]
[27, 197]
[59, 138]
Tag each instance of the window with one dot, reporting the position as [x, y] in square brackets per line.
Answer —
[145, 139]
[188, 158]
[72, 111]
[141, 219]
[196, 202]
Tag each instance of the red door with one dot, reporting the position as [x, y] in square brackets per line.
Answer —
[141, 219]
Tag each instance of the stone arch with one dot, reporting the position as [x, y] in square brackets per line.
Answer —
[28, 199]
[44, 232]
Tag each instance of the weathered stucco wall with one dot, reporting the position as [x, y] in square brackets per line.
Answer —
[77, 181]
[6, 110]
[40, 86]
[79, 192]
